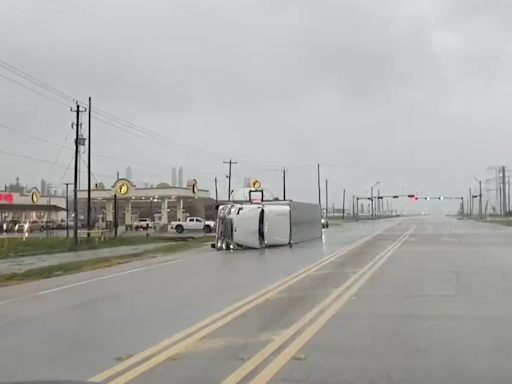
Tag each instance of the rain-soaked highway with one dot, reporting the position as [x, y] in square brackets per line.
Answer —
[416, 300]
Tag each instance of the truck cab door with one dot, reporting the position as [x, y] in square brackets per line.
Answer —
[197, 224]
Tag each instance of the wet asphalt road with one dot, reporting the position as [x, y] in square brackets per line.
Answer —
[432, 310]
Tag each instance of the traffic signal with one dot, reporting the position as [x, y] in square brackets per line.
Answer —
[413, 196]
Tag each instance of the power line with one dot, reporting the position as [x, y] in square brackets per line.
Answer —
[35, 91]
[11, 68]
[28, 157]
[131, 127]
[66, 171]
[40, 160]
[62, 146]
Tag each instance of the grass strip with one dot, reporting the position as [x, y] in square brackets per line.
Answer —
[12, 247]
[72, 267]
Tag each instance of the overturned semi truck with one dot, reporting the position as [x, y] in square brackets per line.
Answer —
[266, 224]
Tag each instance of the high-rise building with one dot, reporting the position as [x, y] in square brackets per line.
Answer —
[128, 173]
[51, 190]
[43, 187]
[16, 187]
[180, 177]
[247, 182]
[174, 177]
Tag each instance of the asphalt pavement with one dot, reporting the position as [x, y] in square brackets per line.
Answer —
[421, 300]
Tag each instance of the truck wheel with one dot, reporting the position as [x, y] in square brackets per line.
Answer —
[207, 229]
[180, 229]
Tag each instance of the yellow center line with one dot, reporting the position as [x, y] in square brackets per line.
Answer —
[278, 363]
[219, 318]
[250, 365]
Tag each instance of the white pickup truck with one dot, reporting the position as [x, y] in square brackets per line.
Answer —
[193, 223]
[143, 224]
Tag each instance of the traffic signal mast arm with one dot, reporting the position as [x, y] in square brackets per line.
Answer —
[414, 197]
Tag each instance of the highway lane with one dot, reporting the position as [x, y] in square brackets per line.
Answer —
[436, 312]
[423, 302]
[77, 326]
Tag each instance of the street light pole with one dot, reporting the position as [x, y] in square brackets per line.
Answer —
[480, 207]
[371, 202]
[371, 196]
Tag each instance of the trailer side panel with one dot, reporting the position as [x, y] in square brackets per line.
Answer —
[306, 222]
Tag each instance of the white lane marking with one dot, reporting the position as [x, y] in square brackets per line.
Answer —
[89, 281]
[106, 277]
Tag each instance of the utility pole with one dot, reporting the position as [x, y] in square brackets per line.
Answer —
[319, 192]
[78, 110]
[480, 200]
[116, 224]
[371, 205]
[67, 208]
[230, 162]
[343, 207]
[89, 173]
[504, 190]
[326, 197]
[284, 183]
[509, 193]
[470, 208]
[353, 208]
[216, 192]
[378, 204]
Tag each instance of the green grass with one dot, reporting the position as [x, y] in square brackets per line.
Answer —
[507, 222]
[11, 247]
[97, 263]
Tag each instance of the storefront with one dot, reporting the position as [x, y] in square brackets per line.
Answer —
[31, 206]
[161, 204]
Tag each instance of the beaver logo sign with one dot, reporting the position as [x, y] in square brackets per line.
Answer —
[255, 184]
[34, 196]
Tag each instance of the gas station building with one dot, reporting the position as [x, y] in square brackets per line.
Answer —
[31, 206]
[162, 203]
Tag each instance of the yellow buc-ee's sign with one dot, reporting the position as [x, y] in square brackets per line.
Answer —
[255, 184]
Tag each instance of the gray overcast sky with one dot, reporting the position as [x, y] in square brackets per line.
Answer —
[414, 93]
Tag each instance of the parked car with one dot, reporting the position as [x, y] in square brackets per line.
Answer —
[29, 226]
[61, 224]
[49, 225]
[143, 224]
[9, 226]
[193, 223]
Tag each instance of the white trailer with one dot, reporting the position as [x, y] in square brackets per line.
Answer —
[267, 224]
